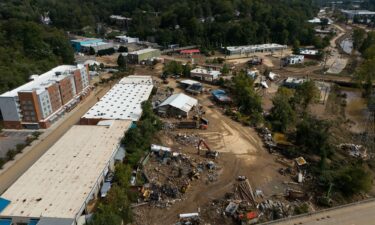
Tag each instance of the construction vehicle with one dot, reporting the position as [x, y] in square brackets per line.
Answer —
[209, 153]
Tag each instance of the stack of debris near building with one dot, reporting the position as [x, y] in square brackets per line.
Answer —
[169, 174]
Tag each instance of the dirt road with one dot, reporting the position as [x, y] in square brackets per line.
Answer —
[15, 169]
[240, 153]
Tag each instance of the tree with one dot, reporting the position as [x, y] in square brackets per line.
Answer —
[92, 51]
[225, 69]
[105, 215]
[306, 94]
[248, 101]
[122, 49]
[186, 70]
[11, 154]
[121, 62]
[296, 47]
[365, 76]
[358, 38]
[352, 180]
[324, 23]
[173, 67]
[282, 115]
[313, 135]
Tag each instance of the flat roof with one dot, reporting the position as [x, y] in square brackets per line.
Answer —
[124, 100]
[87, 40]
[44, 80]
[255, 47]
[206, 71]
[358, 12]
[142, 51]
[59, 183]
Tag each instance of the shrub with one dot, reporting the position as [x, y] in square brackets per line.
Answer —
[11, 154]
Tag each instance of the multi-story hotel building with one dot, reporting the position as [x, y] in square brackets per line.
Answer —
[38, 103]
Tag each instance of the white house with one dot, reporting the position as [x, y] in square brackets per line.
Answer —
[205, 74]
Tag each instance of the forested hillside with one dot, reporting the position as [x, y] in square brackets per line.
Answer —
[28, 47]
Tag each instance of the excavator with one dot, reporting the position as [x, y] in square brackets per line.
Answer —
[209, 153]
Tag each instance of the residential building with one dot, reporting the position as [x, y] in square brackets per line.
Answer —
[292, 82]
[177, 105]
[205, 74]
[122, 102]
[127, 40]
[38, 103]
[239, 50]
[143, 55]
[60, 188]
[293, 59]
[309, 53]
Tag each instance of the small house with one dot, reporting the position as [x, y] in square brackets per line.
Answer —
[205, 74]
[293, 59]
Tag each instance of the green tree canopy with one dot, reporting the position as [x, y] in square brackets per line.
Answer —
[282, 114]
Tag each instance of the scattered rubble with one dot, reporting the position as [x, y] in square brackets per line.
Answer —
[357, 151]
[170, 175]
[187, 139]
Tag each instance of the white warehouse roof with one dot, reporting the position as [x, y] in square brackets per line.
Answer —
[124, 100]
[180, 101]
[60, 183]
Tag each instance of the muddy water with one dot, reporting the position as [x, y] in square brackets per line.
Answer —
[356, 109]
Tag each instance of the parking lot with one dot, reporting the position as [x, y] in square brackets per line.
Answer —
[9, 140]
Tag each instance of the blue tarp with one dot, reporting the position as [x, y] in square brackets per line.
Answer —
[5, 221]
[221, 95]
[3, 203]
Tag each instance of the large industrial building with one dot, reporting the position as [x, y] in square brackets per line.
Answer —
[84, 44]
[350, 14]
[61, 187]
[122, 102]
[38, 103]
[239, 50]
[143, 55]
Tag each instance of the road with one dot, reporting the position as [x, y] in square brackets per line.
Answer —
[357, 214]
[16, 168]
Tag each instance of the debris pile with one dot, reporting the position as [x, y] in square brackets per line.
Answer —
[170, 175]
[266, 135]
[273, 209]
[168, 126]
[187, 139]
[357, 151]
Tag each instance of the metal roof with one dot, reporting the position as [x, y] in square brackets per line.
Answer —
[180, 101]
[124, 100]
